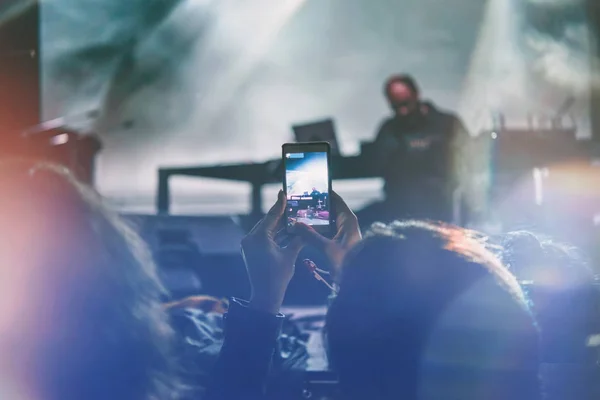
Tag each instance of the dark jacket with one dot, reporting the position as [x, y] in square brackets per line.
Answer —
[418, 148]
[430, 155]
[243, 366]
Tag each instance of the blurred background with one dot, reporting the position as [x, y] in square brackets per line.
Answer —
[186, 82]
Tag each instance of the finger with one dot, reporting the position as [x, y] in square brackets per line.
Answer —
[280, 234]
[256, 226]
[311, 236]
[272, 218]
[340, 205]
[294, 247]
[282, 238]
[342, 209]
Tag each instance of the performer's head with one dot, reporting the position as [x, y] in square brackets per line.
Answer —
[402, 93]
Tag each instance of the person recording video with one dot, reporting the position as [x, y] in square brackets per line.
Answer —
[420, 153]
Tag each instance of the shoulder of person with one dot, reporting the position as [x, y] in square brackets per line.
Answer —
[448, 118]
[442, 113]
[386, 129]
[386, 124]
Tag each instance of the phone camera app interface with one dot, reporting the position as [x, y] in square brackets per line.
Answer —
[307, 188]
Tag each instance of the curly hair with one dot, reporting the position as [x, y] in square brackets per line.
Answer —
[91, 324]
[440, 317]
[561, 286]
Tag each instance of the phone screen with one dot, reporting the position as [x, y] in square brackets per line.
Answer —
[307, 185]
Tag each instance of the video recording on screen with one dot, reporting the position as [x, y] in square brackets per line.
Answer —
[307, 188]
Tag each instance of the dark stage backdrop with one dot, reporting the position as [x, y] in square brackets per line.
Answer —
[179, 82]
[19, 71]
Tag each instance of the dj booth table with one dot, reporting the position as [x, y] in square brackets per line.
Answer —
[258, 174]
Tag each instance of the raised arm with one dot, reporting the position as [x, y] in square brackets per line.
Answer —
[252, 328]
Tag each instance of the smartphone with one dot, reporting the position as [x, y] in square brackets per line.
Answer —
[307, 185]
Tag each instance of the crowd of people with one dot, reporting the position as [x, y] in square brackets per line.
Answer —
[421, 310]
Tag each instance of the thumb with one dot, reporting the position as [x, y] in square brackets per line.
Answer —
[310, 235]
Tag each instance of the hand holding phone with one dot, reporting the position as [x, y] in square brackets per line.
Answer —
[307, 186]
[270, 266]
[347, 235]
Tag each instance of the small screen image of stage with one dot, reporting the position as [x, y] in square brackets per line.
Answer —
[307, 179]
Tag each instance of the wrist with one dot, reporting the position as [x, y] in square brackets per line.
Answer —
[266, 303]
[335, 272]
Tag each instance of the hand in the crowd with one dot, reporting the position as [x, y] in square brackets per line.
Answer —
[347, 235]
[270, 266]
